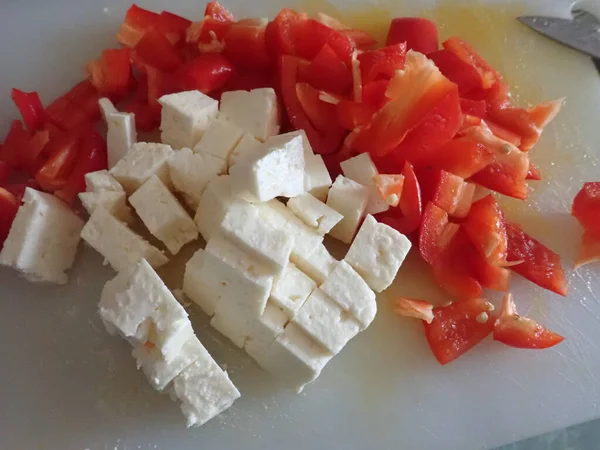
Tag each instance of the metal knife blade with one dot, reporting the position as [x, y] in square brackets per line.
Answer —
[581, 33]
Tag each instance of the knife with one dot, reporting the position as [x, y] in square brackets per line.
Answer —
[582, 33]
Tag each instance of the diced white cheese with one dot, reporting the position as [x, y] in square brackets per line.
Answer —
[243, 226]
[349, 290]
[140, 163]
[362, 170]
[161, 372]
[248, 148]
[291, 289]
[318, 265]
[256, 112]
[350, 199]
[106, 108]
[278, 171]
[102, 181]
[377, 253]
[163, 215]
[219, 140]
[314, 213]
[120, 137]
[306, 240]
[113, 201]
[282, 139]
[323, 319]
[232, 321]
[214, 204]
[295, 357]
[43, 238]
[185, 117]
[194, 283]
[191, 172]
[316, 177]
[274, 213]
[265, 330]
[141, 308]
[120, 246]
[205, 392]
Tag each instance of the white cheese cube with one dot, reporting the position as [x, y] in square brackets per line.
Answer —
[243, 226]
[106, 108]
[362, 170]
[205, 392]
[274, 213]
[143, 310]
[282, 139]
[120, 246]
[248, 148]
[140, 163]
[323, 319]
[214, 204]
[255, 112]
[43, 238]
[314, 213]
[349, 290]
[377, 253]
[120, 136]
[194, 284]
[219, 140]
[350, 199]
[277, 172]
[318, 264]
[306, 240]
[232, 321]
[295, 357]
[102, 181]
[161, 372]
[185, 117]
[291, 289]
[162, 214]
[191, 172]
[113, 201]
[316, 177]
[265, 330]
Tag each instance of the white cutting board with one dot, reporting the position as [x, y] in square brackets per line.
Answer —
[65, 384]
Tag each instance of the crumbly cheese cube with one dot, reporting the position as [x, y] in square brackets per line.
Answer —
[323, 319]
[214, 204]
[43, 238]
[120, 136]
[295, 357]
[191, 172]
[350, 199]
[140, 163]
[113, 201]
[140, 307]
[205, 392]
[317, 180]
[219, 140]
[224, 271]
[306, 240]
[120, 246]
[318, 264]
[232, 321]
[277, 172]
[314, 213]
[248, 148]
[161, 372]
[102, 181]
[162, 214]
[243, 225]
[377, 253]
[106, 108]
[362, 170]
[349, 290]
[291, 289]
[185, 117]
[265, 330]
[274, 213]
[255, 112]
[282, 139]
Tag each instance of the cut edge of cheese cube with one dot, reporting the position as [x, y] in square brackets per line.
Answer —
[314, 213]
[361, 169]
[350, 199]
[255, 111]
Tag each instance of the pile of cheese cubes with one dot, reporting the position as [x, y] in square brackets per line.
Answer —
[263, 203]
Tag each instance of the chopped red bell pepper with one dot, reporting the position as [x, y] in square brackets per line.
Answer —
[586, 207]
[111, 73]
[462, 157]
[328, 72]
[373, 93]
[16, 139]
[458, 327]
[172, 26]
[382, 63]
[321, 115]
[86, 97]
[533, 173]
[52, 175]
[309, 36]
[146, 117]
[92, 157]
[466, 53]
[522, 332]
[278, 33]
[206, 73]
[31, 109]
[589, 249]
[540, 265]
[441, 188]
[246, 47]
[159, 84]
[65, 114]
[485, 226]
[418, 33]
[218, 12]
[137, 21]
[8, 210]
[406, 218]
[155, 50]
[351, 115]
[5, 170]
[433, 226]
[477, 108]
[456, 70]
